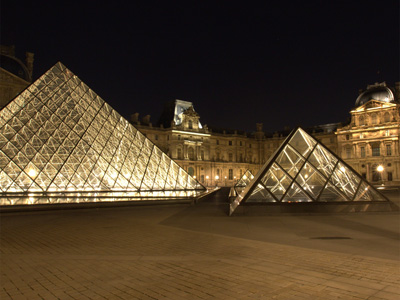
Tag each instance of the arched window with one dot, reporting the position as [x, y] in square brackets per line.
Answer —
[191, 171]
[374, 119]
[387, 117]
[361, 121]
[191, 153]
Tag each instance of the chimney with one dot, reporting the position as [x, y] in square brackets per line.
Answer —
[29, 63]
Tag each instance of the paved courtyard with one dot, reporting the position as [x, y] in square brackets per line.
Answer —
[198, 252]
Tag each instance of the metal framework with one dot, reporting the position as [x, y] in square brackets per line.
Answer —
[304, 170]
[59, 136]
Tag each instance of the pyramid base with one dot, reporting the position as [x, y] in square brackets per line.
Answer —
[313, 207]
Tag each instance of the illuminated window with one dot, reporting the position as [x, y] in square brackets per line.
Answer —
[191, 153]
[388, 150]
[374, 119]
[348, 152]
[376, 150]
[362, 151]
[361, 121]
[387, 117]
[230, 174]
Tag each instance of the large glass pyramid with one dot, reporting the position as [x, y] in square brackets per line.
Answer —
[303, 170]
[59, 136]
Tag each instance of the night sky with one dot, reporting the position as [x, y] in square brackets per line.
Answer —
[282, 64]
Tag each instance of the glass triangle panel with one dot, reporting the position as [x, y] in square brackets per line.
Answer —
[302, 142]
[331, 194]
[260, 194]
[311, 181]
[367, 193]
[296, 194]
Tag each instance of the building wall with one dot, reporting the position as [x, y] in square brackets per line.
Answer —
[221, 158]
[372, 140]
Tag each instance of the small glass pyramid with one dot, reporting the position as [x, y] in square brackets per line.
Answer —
[243, 181]
[303, 170]
[59, 136]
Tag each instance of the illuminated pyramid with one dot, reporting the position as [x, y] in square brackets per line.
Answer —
[243, 182]
[59, 136]
[303, 170]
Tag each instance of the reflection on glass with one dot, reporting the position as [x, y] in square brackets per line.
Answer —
[303, 170]
[58, 135]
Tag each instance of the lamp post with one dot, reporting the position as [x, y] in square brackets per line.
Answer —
[380, 170]
[207, 180]
[216, 180]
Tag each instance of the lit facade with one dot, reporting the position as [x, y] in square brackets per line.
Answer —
[370, 143]
[221, 157]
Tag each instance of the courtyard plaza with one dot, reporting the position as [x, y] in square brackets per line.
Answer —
[198, 252]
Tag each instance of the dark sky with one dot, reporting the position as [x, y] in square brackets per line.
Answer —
[282, 63]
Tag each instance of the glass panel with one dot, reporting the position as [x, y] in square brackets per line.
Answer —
[332, 194]
[296, 194]
[311, 181]
[345, 180]
[260, 194]
[323, 160]
[366, 193]
[302, 142]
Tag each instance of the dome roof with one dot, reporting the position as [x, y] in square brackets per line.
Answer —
[379, 92]
[14, 66]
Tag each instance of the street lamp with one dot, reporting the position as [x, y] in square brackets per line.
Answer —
[216, 178]
[380, 170]
[207, 180]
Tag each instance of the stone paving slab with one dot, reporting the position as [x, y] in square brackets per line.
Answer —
[147, 253]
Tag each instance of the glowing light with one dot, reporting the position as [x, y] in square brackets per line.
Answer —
[379, 168]
[342, 169]
[207, 177]
[216, 177]
[32, 173]
[306, 176]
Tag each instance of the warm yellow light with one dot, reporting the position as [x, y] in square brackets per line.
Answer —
[194, 176]
[379, 168]
[306, 176]
[342, 169]
[216, 177]
[32, 173]
[207, 177]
